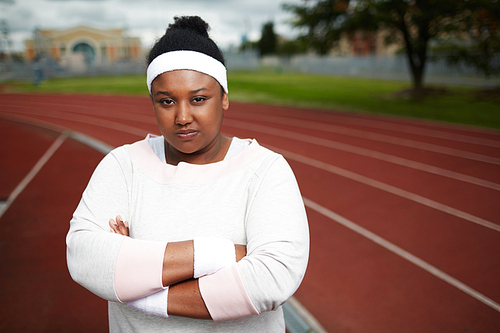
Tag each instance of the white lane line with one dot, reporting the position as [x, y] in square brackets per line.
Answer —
[341, 220]
[387, 188]
[326, 128]
[34, 171]
[97, 111]
[402, 253]
[296, 308]
[451, 152]
[104, 110]
[305, 315]
[377, 184]
[33, 121]
[91, 142]
[374, 136]
[440, 134]
[87, 120]
[328, 143]
[80, 137]
[371, 123]
[363, 152]
[410, 129]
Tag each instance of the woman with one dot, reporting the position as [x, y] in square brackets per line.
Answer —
[190, 195]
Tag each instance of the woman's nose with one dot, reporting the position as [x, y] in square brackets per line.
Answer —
[183, 116]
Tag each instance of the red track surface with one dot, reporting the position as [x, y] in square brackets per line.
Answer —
[404, 214]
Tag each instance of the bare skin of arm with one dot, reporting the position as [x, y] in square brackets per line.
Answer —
[184, 297]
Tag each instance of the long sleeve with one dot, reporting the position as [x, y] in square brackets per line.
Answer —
[277, 250]
[93, 253]
[251, 198]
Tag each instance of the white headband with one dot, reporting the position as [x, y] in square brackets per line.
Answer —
[191, 60]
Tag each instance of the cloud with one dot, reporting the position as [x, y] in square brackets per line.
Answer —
[146, 19]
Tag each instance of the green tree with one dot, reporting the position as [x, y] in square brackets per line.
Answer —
[288, 48]
[414, 23]
[411, 23]
[321, 21]
[477, 43]
[268, 40]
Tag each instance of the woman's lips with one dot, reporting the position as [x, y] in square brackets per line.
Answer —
[186, 135]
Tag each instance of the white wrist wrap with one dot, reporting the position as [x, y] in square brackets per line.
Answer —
[212, 254]
[155, 304]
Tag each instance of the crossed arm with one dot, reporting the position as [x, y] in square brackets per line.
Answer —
[275, 230]
[184, 297]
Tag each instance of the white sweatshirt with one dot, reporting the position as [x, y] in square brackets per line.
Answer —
[251, 198]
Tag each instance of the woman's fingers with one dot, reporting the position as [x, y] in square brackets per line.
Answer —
[112, 225]
[119, 226]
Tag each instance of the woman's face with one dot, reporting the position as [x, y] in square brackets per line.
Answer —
[189, 109]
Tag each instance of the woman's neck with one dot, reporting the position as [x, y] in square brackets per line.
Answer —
[216, 152]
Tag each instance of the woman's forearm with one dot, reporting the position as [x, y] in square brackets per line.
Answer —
[178, 262]
[184, 299]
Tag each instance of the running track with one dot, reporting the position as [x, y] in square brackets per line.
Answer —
[404, 214]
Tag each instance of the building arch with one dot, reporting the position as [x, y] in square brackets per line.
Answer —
[88, 51]
[92, 44]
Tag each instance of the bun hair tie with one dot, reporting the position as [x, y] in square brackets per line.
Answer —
[190, 60]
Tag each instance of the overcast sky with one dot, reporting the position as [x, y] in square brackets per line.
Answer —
[146, 19]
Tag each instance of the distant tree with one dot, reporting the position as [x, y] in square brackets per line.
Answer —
[477, 43]
[289, 48]
[472, 24]
[268, 40]
[414, 23]
[249, 45]
[321, 22]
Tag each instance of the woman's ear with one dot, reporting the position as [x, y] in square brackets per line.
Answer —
[225, 102]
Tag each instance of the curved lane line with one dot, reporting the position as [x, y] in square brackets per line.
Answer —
[387, 188]
[402, 253]
[295, 306]
[433, 133]
[375, 238]
[98, 111]
[344, 173]
[34, 171]
[306, 316]
[395, 127]
[85, 119]
[364, 152]
[353, 149]
[377, 137]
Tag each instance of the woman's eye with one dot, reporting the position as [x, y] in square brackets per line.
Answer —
[167, 102]
[198, 99]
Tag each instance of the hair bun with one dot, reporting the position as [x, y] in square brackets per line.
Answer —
[194, 23]
[188, 33]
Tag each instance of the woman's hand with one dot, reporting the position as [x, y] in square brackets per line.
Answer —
[118, 226]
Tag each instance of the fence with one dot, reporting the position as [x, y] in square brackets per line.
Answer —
[396, 67]
[384, 67]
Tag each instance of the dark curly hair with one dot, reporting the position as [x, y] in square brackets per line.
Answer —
[187, 33]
